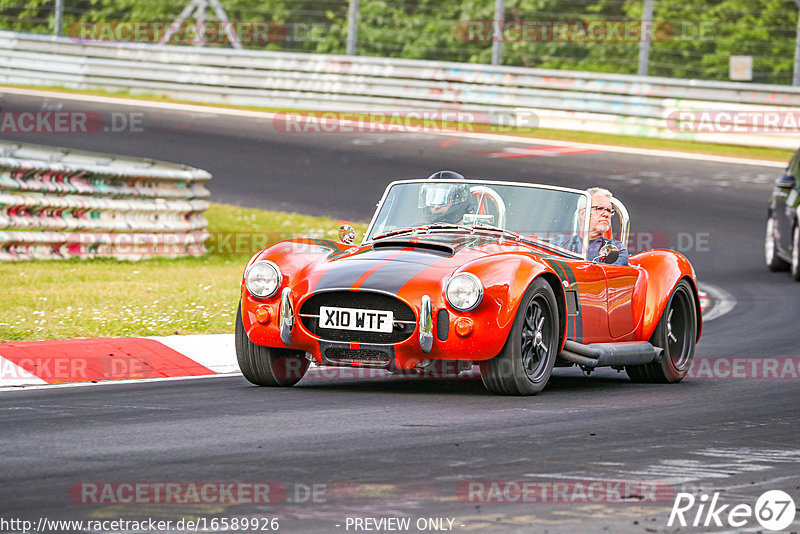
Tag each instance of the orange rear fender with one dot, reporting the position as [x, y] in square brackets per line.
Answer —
[665, 268]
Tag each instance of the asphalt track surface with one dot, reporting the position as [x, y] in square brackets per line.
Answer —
[398, 447]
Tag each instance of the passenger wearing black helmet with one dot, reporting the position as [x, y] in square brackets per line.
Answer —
[445, 202]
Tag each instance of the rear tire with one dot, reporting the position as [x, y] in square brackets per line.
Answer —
[676, 333]
[524, 365]
[267, 366]
[774, 263]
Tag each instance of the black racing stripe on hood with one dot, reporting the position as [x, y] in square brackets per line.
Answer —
[395, 274]
[392, 276]
[344, 273]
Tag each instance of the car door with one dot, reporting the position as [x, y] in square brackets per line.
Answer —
[784, 201]
[620, 282]
[589, 322]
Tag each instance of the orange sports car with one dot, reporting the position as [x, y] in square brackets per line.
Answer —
[455, 272]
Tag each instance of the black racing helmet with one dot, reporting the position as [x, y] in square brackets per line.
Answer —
[444, 201]
[446, 175]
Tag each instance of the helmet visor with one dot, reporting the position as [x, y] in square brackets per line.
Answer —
[437, 195]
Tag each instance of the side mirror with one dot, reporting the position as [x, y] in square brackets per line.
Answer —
[609, 253]
[787, 180]
[347, 234]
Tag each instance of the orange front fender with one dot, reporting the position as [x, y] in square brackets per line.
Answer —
[506, 282]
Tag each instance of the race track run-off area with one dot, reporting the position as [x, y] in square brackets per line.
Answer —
[370, 452]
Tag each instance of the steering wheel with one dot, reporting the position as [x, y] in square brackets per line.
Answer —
[490, 206]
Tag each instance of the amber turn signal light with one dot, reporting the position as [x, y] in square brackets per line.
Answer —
[263, 314]
[463, 326]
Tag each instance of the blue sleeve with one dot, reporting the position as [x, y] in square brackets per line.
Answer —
[572, 242]
[623, 253]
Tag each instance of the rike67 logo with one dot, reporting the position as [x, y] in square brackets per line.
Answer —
[774, 510]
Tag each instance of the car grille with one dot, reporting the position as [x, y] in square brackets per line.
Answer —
[366, 357]
[365, 300]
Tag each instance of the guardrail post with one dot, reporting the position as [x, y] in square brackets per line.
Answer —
[497, 31]
[796, 73]
[223, 17]
[352, 28]
[59, 18]
[644, 44]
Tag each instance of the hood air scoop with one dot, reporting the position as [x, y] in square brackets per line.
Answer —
[439, 249]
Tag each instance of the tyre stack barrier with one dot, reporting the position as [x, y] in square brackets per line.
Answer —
[60, 204]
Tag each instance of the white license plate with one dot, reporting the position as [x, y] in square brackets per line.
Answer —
[356, 319]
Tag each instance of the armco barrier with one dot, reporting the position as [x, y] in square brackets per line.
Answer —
[57, 204]
[596, 102]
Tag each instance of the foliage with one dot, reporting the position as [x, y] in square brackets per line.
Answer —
[693, 39]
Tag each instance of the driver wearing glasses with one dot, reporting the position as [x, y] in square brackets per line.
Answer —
[599, 224]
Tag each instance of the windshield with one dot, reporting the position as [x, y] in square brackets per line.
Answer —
[551, 215]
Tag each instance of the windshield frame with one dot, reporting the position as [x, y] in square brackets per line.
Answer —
[477, 228]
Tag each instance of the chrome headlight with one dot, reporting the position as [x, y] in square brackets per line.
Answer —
[464, 291]
[263, 278]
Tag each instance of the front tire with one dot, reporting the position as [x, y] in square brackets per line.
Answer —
[524, 365]
[676, 333]
[774, 263]
[267, 366]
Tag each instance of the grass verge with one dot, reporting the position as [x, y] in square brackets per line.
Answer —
[109, 298]
[769, 154]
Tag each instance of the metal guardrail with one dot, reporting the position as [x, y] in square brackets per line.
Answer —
[595, 102]
[84, 204]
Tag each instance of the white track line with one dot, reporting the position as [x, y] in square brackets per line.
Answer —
[722, 302]
[112, 382]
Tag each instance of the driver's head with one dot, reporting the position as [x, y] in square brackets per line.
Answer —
[444, 201]
[601, 212]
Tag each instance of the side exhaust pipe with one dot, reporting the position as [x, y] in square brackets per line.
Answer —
[610, 354]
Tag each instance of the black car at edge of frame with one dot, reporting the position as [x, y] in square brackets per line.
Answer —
[782, 241]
